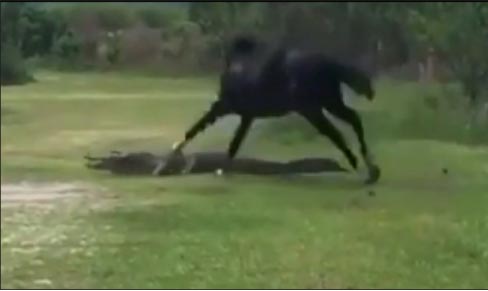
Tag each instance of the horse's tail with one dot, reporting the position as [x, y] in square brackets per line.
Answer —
[355, 79]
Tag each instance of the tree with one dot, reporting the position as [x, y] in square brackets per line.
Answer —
[222, 20]
[67, 48]
[13, 69]
[10, 21]
[40, 29]
[458, 34]
[366, 33]
[165, 18]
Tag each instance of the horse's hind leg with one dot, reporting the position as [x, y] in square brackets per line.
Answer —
[350, 116]
[325, 127]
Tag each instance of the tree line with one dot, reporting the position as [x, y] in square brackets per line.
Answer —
[449, 39]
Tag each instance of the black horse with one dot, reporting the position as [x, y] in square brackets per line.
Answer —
[259, 84]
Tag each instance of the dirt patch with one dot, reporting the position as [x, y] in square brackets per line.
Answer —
[30, 192]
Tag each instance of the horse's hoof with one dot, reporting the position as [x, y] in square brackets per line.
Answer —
[373, 175]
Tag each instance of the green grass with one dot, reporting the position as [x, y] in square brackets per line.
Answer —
[421, 229]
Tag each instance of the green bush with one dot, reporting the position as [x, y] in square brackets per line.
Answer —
[443, 114]
[160, 18]
[66, 52]
[39, 31]
[401, 110]
[13, 68]
[113, 18]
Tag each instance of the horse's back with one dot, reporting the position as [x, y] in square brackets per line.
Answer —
[314, 78]
[287, 81]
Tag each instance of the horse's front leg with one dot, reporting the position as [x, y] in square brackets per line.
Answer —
[350, 116]
[316, 118]
[217, 110]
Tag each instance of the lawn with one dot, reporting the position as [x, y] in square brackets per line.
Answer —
[419, 227]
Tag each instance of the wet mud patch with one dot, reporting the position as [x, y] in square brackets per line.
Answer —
[29, 192]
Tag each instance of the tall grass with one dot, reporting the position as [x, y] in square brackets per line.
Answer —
[403, 110]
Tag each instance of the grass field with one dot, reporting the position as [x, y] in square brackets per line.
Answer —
[421, 229]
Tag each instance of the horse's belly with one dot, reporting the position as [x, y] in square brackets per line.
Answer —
[262, 107]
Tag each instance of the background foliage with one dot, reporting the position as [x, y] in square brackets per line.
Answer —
[443, 42]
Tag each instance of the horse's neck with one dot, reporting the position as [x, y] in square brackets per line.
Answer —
[266, 73]
[272, 70]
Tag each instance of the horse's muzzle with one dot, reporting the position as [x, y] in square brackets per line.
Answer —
[370, 95]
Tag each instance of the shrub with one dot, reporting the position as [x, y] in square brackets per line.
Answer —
[160, 18]
[13, 68]
[67, 50]
[402, 110]
[39, 31]
[113, 17]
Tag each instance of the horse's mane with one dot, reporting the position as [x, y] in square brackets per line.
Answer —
[269, 61]
[249, 53]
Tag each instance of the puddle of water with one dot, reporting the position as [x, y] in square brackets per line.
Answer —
[38, 192]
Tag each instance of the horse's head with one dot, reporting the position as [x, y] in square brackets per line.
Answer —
[241, 53]
[365, 87]
[361, 83]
